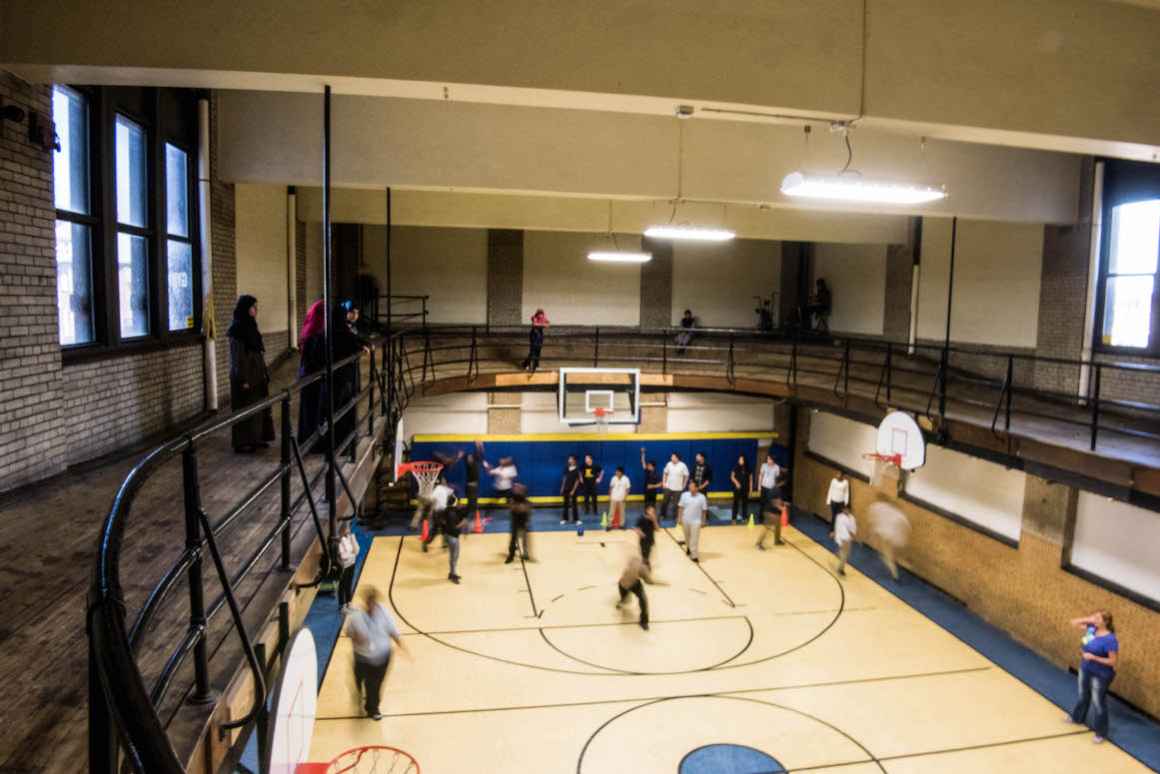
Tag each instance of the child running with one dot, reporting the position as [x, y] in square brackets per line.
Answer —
[630, 582]
[845, 528]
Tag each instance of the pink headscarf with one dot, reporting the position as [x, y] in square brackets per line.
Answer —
[539, 318]
[312, 325]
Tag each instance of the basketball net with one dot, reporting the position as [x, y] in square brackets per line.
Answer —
[887, 468]
[425, 472]
[602, 416]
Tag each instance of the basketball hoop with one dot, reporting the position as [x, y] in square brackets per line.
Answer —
[887, 459]
[425, 472]
[373, 759]
[602, 415]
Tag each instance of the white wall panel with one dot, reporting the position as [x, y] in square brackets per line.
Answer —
[718, 413]
[718, 281]
[978, 491]
[1118, 542]
[856, 275]
[460, 414]
[843, 441]
[559, 278]
[260, 242]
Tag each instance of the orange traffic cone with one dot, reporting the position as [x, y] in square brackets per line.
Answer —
[425, 532]
[785, 515]
[478, 528]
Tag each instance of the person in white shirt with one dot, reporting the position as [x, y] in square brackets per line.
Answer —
[845, 529]
[892, 528]
[503, 476]
[347, 557]
[442, 498]
[372, 632]
[838, 496]
[618, 489]
[676, 475]
[770, 478]
[691, 512]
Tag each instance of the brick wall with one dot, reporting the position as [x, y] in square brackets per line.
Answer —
[31, 444]
[899, 278]
[300, 271]
[1062, 304]
[225, 264]
[111, 404]
[277, 342]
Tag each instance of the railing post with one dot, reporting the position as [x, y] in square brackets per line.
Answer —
[191, 491]
[285, 499]
[944, 364]
[846, 369]
[383, 384]
[102, 735]
[424, 311]
[1096, 406]
[664, 353]
[889, 369]
[372, 378]
[729, 372]
[596, 349]
[1010, 391]
[471, 355]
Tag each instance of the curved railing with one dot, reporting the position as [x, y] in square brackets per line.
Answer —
[931, 380]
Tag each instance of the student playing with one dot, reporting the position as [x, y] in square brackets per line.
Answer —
[691, 512]
[838, 497]
[442, 498]
[676, 475]
[845, 529]
[742, 479]
[646, 528]
[770, 477]
[503, 476]
[372, 631]
[618, 489]
[521, 520]
[590, 476]
[702, 473]
[630, 581]
[454, 522]
[652, 480]
[569, 486]
[770, 524]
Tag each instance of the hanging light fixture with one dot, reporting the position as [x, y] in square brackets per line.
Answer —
[615, 255]
[850, 186]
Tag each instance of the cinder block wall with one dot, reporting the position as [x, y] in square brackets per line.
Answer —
[31, 442]
[1023, 590]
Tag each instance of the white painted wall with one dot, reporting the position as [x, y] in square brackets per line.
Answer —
[447, 264]
[1118, 542]
[719, 280]
[979, 491]
[997, 277]
[843, 441]
[260, 242]
[714, 412]
[459, 413]
[313, 262]
[856, 275]
[559, 278]
[540, 413]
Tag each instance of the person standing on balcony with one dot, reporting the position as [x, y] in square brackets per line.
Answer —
[590, 475]
[676, 475]
[344, 344]
[372, 632]
[569, 487]
[535, 341]
[741, 477]
[249, 378]
[312, 346]
[652, 480]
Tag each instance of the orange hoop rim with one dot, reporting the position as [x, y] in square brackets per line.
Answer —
[893, 459]
[358, 753]
[420, 467]
[600, 412]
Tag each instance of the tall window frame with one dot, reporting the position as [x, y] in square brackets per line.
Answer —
[1131, 196]
[167, 119]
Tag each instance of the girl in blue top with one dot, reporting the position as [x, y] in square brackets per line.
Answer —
[1100, 651]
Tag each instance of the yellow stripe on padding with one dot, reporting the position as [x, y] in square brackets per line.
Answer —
[537, 437]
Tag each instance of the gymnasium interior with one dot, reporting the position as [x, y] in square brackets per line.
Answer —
[848, 312]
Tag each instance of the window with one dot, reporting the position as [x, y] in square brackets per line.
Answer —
[179, 249]
[1129, 313]
[125, 218]
[74, 224]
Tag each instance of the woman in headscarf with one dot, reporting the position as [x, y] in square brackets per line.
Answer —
[312, 346]
[345, 343]
[249, 377]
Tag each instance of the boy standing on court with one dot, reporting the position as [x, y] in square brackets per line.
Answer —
[702, 473]
[845, 528]
[618, 489]
[838, 497]
[521, 520]
[454, 522]
[569, 486]
[652, 480]
[691, 512]
[770, 479]
[675, 477]
[591, 475]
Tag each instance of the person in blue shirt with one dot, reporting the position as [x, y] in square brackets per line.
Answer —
[1100, 652]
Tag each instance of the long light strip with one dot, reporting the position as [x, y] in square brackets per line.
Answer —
[849, 188]
[691, 233]
[607, 256]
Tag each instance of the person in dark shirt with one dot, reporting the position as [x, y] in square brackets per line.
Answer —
[454, 522]
[521, 519]
[652, 480]
[702, 473]
[742, 479]
[590, 476]
[820, 306]
[646, 527]
[569, 487]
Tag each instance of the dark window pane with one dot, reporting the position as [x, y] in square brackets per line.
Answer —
[177, 190]
[180, 285]
[1135, 238]
[74, 283]
[70, 164]
[133, 284]
[1128, 311]
[132, 181]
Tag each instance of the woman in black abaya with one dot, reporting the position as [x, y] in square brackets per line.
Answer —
[249, 377]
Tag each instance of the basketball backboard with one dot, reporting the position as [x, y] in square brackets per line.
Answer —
[613, 391]
[294, 707]
[899, 434]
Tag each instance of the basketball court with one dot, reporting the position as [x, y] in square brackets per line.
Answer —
[765, 654]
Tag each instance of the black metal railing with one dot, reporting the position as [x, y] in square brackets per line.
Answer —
[124, 718]
[409, 310]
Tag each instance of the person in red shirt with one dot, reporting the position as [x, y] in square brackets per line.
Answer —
[535, 341]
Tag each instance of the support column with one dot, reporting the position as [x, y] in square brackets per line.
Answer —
[656, 285]
[505, 276]
[899, 279]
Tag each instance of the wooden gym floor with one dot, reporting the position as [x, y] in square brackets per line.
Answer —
[529, 667]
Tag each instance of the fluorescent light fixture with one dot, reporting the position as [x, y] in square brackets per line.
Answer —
[691, 233]
[851, 188]
[609, 256]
